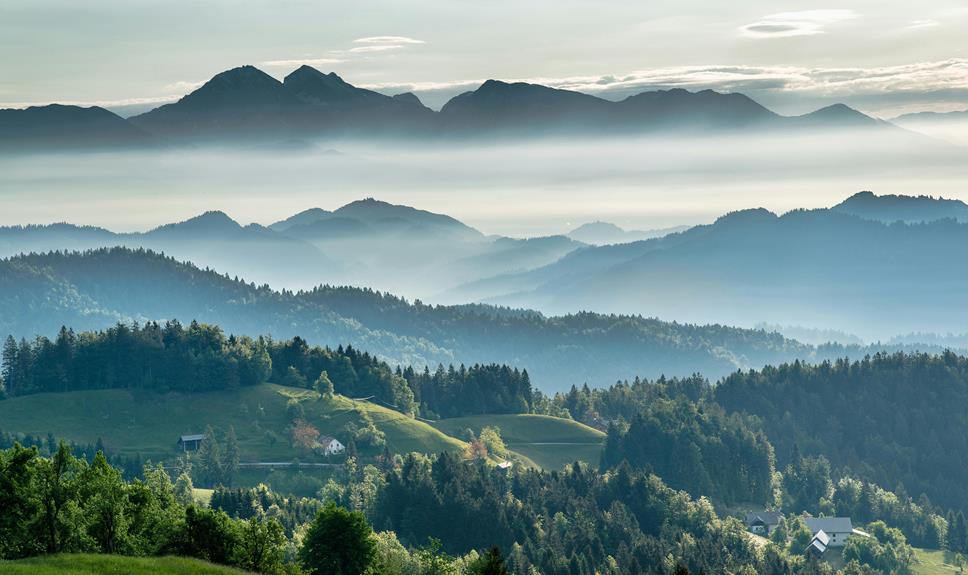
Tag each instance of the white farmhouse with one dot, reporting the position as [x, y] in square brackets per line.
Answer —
[836, 529]
[330, 446]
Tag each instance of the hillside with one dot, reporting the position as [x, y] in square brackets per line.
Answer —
[892, 419]
[367, 242]
[817, 268]
[907, 209]
[76, 564]
[149, 424]
[94, 290]
[550, 442]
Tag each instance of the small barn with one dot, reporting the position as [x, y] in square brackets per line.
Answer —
[190, 442]
[763, 522]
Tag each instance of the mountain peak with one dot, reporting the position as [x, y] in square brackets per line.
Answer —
[841, 114]
[210, 222]
[890, 208]
[314, 87]
[242, 77]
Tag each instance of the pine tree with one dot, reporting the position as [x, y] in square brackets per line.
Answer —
[210, 458]
[230, 458]
[8, 372]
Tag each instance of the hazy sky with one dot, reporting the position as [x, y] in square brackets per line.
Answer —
[882, 57]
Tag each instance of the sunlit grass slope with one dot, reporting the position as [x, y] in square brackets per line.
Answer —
[551, 442]
[112, 565]
[148, 423]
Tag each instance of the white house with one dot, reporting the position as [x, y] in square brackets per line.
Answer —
[330, 446]
[837, 529]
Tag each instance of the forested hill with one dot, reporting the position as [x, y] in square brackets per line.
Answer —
[896, 419]
[94, 290]
[816, 268]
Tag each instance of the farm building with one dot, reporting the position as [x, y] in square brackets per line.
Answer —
[190, 442]
[330, 446]
[763, 522]
[837, 529]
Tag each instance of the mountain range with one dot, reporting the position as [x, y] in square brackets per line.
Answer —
[831, 269]
[837, 268]
[605, 233]
[246, 105]
[368, 243]
[96, 289]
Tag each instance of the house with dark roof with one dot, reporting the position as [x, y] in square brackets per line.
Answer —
[763, 522]
[191, 442]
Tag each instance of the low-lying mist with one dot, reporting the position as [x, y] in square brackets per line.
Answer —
[507, 187]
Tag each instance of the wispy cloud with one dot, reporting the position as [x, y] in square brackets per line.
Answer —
[302, 62]
[920, 78]
[803, 23]
[375, 48]
[948, 76]
[182, 87]
[919, 24]
[388, 40]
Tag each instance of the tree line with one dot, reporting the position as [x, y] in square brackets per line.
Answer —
[199, 357]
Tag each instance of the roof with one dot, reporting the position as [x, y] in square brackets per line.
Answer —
[817, 546]
[765, 517]
[822, 537]
[326, 440]
[196, 437]
[829, 524]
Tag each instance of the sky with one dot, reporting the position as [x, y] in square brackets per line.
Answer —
[884, 58]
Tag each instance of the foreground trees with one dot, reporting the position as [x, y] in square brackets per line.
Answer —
[339, 542]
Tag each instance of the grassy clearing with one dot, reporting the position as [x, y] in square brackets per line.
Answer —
[131, 422]
[112, 565]
[934, 562]
[550, 442]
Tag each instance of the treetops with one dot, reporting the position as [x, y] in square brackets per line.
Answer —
[200, 357]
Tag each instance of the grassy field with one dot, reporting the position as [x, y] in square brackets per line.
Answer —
[112, 565]
[934, 562]
[550, 442]
[130, 422]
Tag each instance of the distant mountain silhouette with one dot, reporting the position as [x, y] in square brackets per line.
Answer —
[242, 100]
[245, 105]
[212, 239]
[302, 218]
[603, 233]
[839, 116]
[367, 242]
[680, 108]
[958, 115]
[56, 126]
[521, 106]
[819, 268]
[908, 209]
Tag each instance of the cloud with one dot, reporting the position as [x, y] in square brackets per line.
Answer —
[388, 40]
[182, 87]
[787, 24]
[302, 62]
[919, 24]
[908, 80]
[376, 48]
[932, 81]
